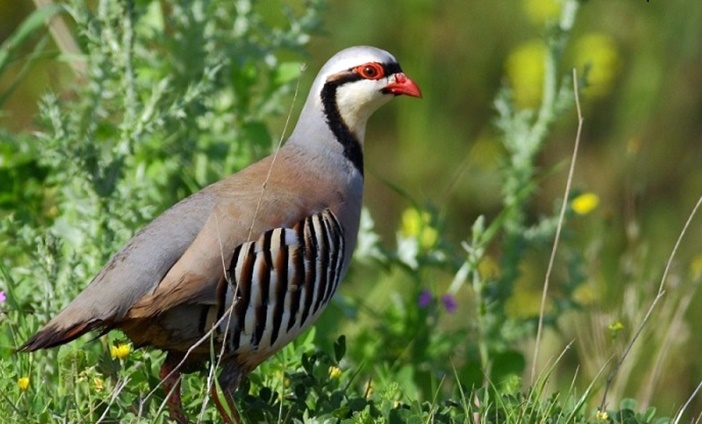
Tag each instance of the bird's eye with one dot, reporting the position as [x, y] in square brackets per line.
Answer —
[371, 71]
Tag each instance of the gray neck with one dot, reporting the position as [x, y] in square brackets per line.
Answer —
[322, 127]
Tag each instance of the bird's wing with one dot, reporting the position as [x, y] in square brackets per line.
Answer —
[197, 274]
[130, 274]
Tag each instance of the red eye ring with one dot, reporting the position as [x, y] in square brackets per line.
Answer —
[371, 71]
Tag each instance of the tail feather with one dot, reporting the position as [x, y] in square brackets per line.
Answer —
[51, 335]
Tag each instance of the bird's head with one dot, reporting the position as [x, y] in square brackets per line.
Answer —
[355, 82]
[352, 85]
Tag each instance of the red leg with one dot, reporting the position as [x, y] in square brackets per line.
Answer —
[171, 385]
[222, 410]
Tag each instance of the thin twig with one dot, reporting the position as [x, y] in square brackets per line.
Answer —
[121, 384]
[561, 219]
[678, 416]
[659, 295]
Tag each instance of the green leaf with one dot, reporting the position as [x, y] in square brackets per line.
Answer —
[628, 404]
[340, 348]
[650, 414]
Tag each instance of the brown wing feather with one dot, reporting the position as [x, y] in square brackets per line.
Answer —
[197, 274]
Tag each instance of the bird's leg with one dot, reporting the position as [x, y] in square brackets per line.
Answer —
[229, 399]
[229, 379]
[170, 377]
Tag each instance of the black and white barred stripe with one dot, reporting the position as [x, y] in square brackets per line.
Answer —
[280, 284]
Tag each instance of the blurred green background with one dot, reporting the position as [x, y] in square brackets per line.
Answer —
[641, 150]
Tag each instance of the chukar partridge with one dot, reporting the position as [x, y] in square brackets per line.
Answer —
[251, 261]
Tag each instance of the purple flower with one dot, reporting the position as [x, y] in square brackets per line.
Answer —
[449, 303]
[425, 298]
[2, 296]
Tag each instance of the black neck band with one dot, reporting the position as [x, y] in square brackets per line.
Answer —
[352, 147]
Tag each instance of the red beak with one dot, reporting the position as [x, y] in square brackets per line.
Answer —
[403, 85]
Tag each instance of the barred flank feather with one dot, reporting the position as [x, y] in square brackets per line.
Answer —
[279, 284]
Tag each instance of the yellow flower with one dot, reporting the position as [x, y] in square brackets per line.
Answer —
[98, 384]
[120, 351]
[334, 372]
[525, 70]
[599, 52]
[601, 416]
[418, 224]
[540, 11]
[23, 383]
[585, 203]
[615, 328]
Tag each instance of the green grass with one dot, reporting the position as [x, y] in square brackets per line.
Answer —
[167, 100]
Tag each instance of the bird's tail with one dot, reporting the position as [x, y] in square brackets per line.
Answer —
[57, 332]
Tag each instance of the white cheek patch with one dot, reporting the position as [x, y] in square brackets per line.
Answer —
[358, 100]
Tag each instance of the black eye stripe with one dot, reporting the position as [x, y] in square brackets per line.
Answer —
[391, 68]
[388, 68]
[350, 74]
